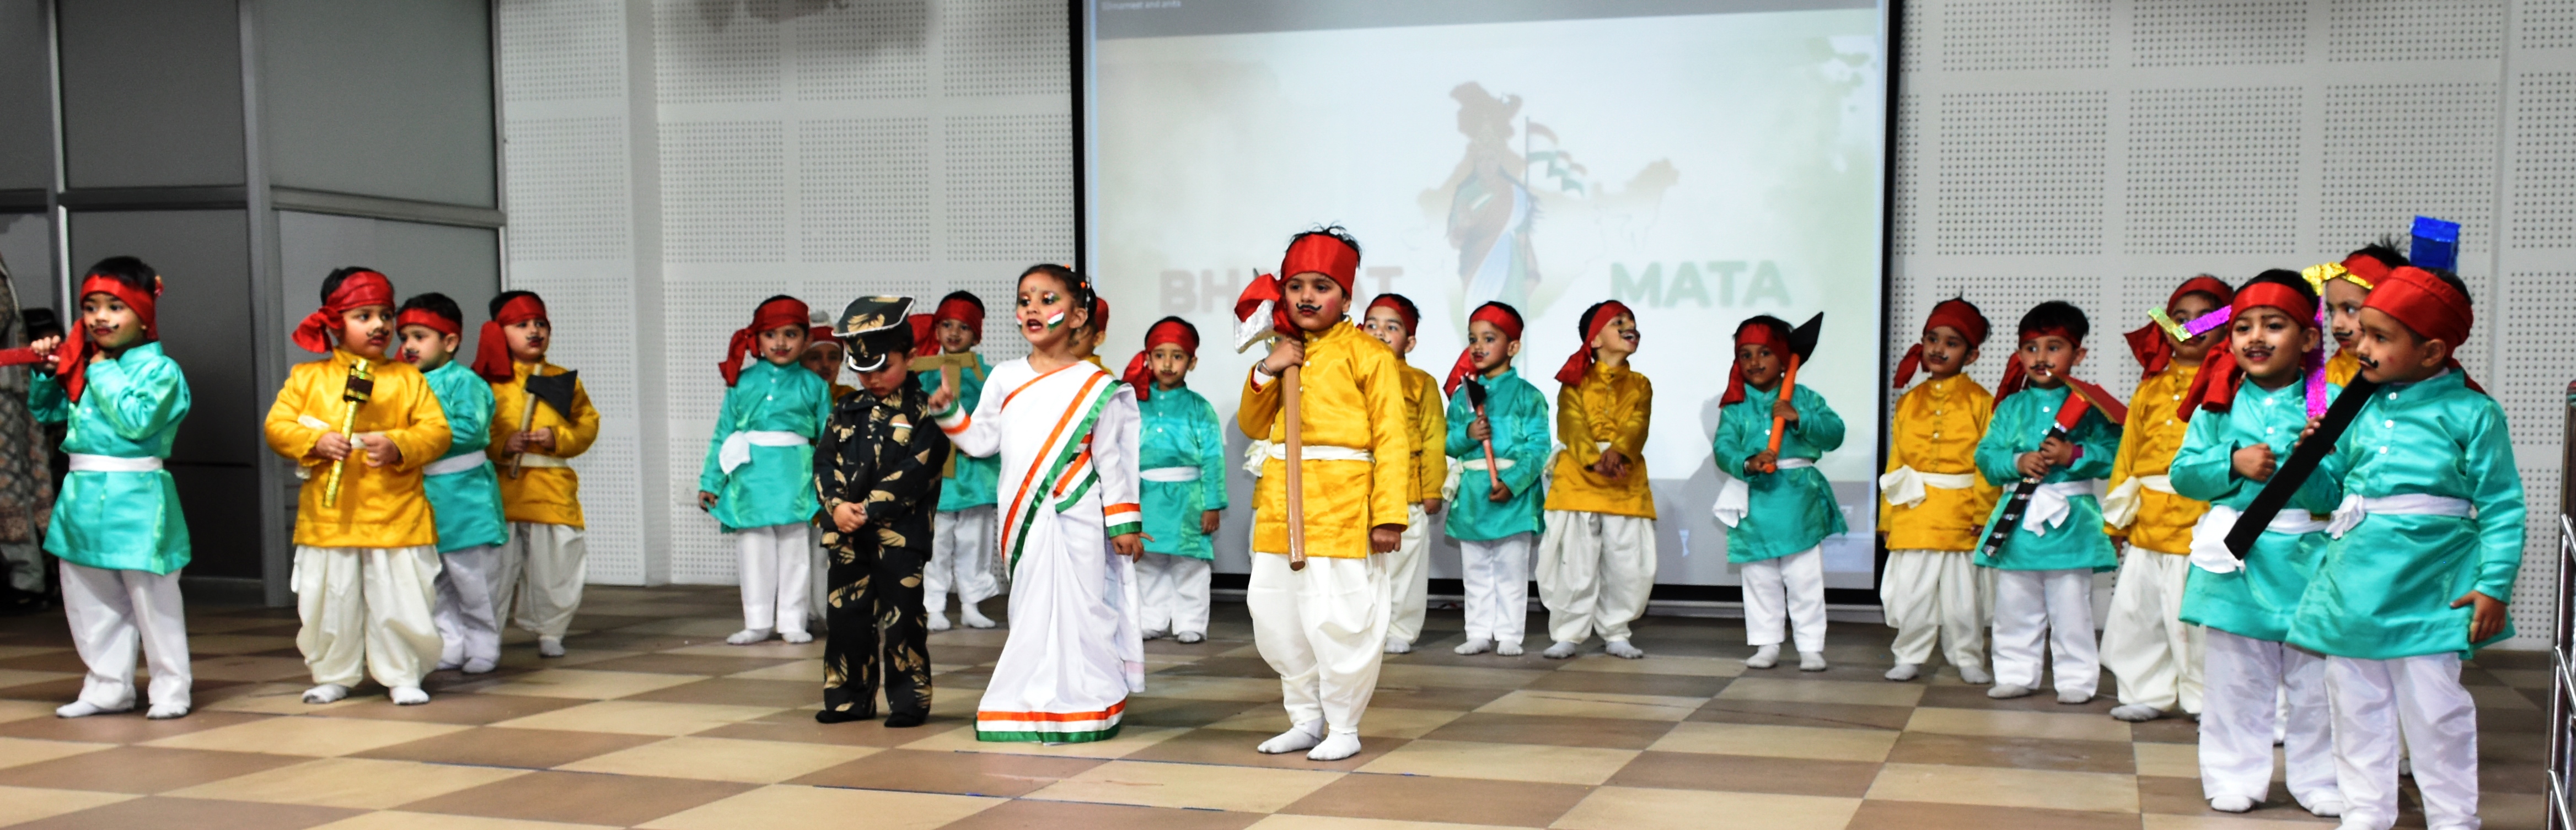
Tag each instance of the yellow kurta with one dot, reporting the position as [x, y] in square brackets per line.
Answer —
[1429, 415]
[1353, 398]
[379, 507]
[2148, 443]
[544, 495]
[1612, 404]
[1936, 429]
[2342, 368]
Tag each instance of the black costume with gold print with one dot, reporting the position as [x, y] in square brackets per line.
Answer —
[886, 454]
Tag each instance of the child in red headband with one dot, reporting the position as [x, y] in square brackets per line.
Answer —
[117, 526]
[2427, 543]
[366, 565]
[543, 567]
[1323, 629]
[1498, 513]
[1181, 458]
[961, 547]
[1596, 561]
[757, 479]
[2246, 411]
[1931, 501]
[2346, 289]
[1777, 506]
[464, 492]
[1392, 319]
[2144, 641]
[2043, 572]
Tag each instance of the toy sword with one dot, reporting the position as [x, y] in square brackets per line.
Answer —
[2301, 464]
[2083, 397]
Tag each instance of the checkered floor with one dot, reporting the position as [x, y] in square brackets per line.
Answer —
[653, 721]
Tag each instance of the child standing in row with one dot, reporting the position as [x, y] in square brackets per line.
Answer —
[1181, 475]
[961, 547]
[541, 574]
[1596, 563]
[759, 460]
[464, 494]
[2145, 644]
[1392, 319]
[1778, 507]
[2044, 570]
[1932, 502]
[1503, 446]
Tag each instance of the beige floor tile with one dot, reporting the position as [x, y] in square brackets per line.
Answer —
[324, 737]
[963, 636]
[776, 649]
[236, 643]
[1655, 664]
[246, 668]
[1188, 786]
[800, 670]
[1128, 741]
[785, 806]
[1464, 677]
[1507, 762]
[21, 677]
[2067, 726]
[2155, 821]
[21, 751]
[23, 709]
[397, 820]
[1822, 691]
[1628, 808]
[1778, 741]
[1241, 651]
[1380, 723]
[276, 699]
[358, 783]
[15, 652]
[1253, 689]
[2500, 697]
[22, 804]
[589, 684]
[2004, 787]
[633, 717]
[687, 627]
[2172, 760]
[1288, 822]
[722, 759]
[1593, 705]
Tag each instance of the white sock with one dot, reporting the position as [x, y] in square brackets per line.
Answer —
[167, 711]
[1398, 645]
[1189, 637]
[1476, 645]
[973, 618]
[795, 636]
[748, 636]
[83, 709]
[1975, 675]
[1510, 649]
[1764, 657]
[2004, 691]
[2073, 698]
[1622, 649]
[1561, 650]
[2326, 806]
[326, 693]
[550, 647]
[480, 665]
[1811, 661]
[409, 696]
[1904, 672]
[1298, 738]
[2141, 713]
[2231, 804]
[939, 622]
[1157, 635]
[1335, 747]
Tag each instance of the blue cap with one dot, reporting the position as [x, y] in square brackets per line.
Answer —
[2437, 244]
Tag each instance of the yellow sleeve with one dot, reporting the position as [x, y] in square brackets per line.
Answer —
[428, 436]
[1259, 406]
[585, 425]
[1430, 439]
[1574, 427]
[1631, 440]
[1391, 488]
[287, 434]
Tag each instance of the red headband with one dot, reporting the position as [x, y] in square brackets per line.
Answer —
[71, 361]
[2149, 344]
[2017, 376]
[359, 290]
[2214, 388]
[1956, 313]
[1322, 254]
[2428, 306]
[961, 310]
[1495, 314]
[777, 312]
[428, 319]
[1580, 363]
[1751, 331]
[2368, 269]
[1390, 302]
[491, 348]
[1138, 374]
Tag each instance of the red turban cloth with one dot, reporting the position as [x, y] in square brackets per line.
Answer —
[1580, 363]
[1174, 332]
[2364, 270]
[431, 320]
[1959, 315]
[1769, 334]
[2017, 375]
[491, 351]
[71, 361]
[2220, 376]
[779, 311]
[1499, 316]
[2153, 350]
[925, 327]
[359, 290]
[1411, 318]
[2430, 307]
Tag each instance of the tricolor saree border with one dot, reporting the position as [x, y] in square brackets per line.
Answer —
[1050, 727]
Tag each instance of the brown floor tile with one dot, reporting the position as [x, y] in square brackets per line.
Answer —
[1919, 815]
[2164, 731]
[1849, 671]
[1230, 747]
[1183, 712]
[142, 770]
[1786, 713]
[60, 690]
[493, 746]
[1219, 643]
[969, 655]
[1455, 800]
[194, 814]
[69, 661]
[738, 692]
[1438, 653]
[2022, 753]
[1611, 733]
[797, 725]
[957, 773]
[122, 729]
[2165, 795]
[467, 709]
[2500, 659]
[1066, 815]
[612, 641]
[2513, 778]
[580, 798]
[1222, 667]
[2525, 724]
[1445, 698]
[686, 664]
[1746, 774]
[2044, 700]
[1668, 685]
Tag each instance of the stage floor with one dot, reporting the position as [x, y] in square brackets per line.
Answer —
[652, 721]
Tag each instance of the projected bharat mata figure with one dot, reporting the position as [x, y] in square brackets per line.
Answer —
[1492, 201]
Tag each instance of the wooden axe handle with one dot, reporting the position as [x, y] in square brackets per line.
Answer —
[527, 418]
[1296, 480]
[1779, 425]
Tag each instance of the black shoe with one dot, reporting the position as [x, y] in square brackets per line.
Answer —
[905, 720]
[829, 716]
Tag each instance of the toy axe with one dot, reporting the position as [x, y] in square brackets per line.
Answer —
[1802, 345]
[556, 391]
[1258, 320]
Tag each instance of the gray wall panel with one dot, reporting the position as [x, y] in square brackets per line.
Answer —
[463, 263]
[26, 97]
[379, 97]
[152, 93]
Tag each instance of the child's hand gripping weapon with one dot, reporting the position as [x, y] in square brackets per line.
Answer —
[1802, 345]
[1493, 466]
[361, 386]
[556, 391]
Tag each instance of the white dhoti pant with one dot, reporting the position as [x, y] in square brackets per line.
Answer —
[1324, 630]
[366, 613]
[540, 578]
[776, 576]
[1497, 587]
[1408, 577]
[2055, 606]
[1175, 593]
[1938, 596]
[468, 627]
[2246, 676]
[1786, 592]
[2419, 698]
[961, 559]
[111, 614]
[2145, 643]
[1595, 571]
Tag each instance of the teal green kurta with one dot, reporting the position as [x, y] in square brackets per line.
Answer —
[1790, 510]
[970, 481]
[1523, 435]
[2384, 590]
[777, 486]
[2257, 600]
[2020, 424]
[1180, 429]
[131, 409]
[468, 503]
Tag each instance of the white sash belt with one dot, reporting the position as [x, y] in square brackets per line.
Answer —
[1736, 498]
[529, 459]
[1169, 475]
[2209, 536]
[1908, 487]
[86, 463]
[737, 447]
[1254, 454]
[2120, 506]
[2349, 514]
[1322, 452]
[2048, 504]
[454, 464]
[1449, 486]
